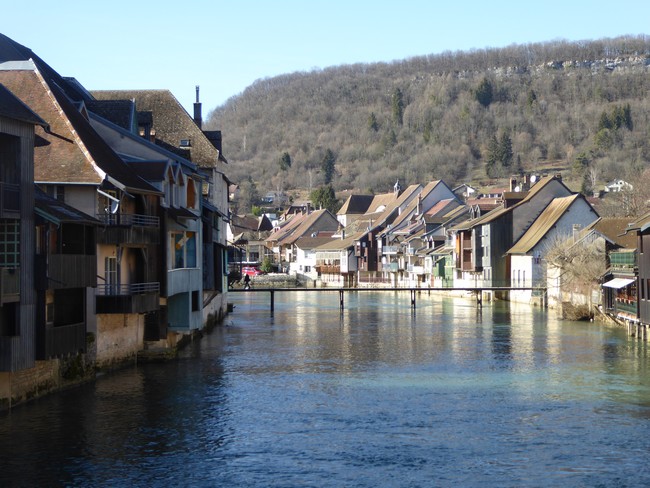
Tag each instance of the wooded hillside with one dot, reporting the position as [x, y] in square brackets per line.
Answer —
[461, 116]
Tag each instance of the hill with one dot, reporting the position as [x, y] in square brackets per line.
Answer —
[463, 116]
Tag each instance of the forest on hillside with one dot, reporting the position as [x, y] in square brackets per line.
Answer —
[458, 116]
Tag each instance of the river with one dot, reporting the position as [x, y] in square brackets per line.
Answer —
[379, 395]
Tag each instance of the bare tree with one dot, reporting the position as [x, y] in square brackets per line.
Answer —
[580, 264]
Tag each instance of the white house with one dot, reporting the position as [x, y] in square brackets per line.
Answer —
[560, 219]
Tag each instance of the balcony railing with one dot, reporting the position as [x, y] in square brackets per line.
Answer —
[391, 249]
[128, 289]
[128, 229]
[128, 298]
[328, 268]
[129, 219]
[626, 305]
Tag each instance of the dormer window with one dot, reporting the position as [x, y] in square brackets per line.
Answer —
[185, 143]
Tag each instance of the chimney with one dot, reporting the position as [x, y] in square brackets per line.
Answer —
[513, 183]
[576, 232]
[197, 110]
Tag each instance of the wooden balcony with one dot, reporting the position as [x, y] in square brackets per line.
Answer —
[65, 339]
[628, 305]
[131, 298]
[136, 229]
[66, 271]
[328, 269]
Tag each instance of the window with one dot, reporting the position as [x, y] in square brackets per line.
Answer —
[9, 243]
[191, 197]
[183, 246]
[196, 305]
[110, 275]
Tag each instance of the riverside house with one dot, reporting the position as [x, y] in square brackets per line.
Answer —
[129, 232]
[561, 218]
[481, 244]
[74, 164]
[398, 242]
[161, 119]
[19, 336]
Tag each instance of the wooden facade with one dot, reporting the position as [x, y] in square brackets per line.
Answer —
[17, 311]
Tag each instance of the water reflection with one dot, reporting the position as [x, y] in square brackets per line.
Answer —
[376, 395]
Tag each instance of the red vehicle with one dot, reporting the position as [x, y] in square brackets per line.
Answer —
[251, 271]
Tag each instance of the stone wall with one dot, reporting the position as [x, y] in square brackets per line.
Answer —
[119, 338]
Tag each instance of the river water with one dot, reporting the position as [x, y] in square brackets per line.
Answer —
[379, 395]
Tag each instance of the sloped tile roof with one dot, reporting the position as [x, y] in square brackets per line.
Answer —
[57, 156]
[383, 217]
[541, 226]
[356, 204]
[71, 151]
[119, 112]
[615, 230]
[12, 107]
[338, 244]
[171, 122]
[307, 224]
[312, 242]
[286, 227]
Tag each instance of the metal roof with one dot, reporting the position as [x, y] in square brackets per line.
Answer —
[546, 220]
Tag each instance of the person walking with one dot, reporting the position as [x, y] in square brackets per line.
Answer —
[247, 282]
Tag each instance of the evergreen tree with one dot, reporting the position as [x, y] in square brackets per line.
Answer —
[267, 265]
[484, 93]
[505, 150]
[493, 157]
[327, 166]
[604, 122]
[398, 107]
[627, 117]
[581, 163]
[324, 197]
[285, 161]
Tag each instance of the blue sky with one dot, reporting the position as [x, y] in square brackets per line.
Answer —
[224, 46]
